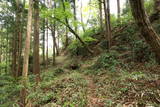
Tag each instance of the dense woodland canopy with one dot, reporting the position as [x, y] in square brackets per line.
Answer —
[78, 53]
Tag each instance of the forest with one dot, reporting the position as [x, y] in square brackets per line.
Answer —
[79, 53]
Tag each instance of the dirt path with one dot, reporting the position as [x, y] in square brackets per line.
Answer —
[93, 100]
[61, 60]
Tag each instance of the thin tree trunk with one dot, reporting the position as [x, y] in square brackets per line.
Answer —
[47, 46]
[19, 38]
[43, 47]
[66, 38]
[145, 26]
[58, 39]
[53, 29]
[100, 14]
[36, 64]
[82, 17]
[14, 56]
[72, 31]
[0, 50]
[118, 9]
[20, 48]
[107, 23]
[56, 45]
[7, 48]
[17, 41]
[26, 54]
[75, 14]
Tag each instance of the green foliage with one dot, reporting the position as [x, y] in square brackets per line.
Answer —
[107, 61]
[47, 76]
[8, 90]
[58, 71]
[64, 90]
[91, 32]
[3, 66]
[76, 46]
[149, 6]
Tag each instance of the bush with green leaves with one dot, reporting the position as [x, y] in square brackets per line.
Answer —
[9, 88]
[76, 48]
[91, 31]
[107, 60]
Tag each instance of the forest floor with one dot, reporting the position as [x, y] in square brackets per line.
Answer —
[63, 86]
[92, 99]
[91, 86]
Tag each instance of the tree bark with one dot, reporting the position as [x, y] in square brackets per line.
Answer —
[53, 30]
[43, 47]
[26, 54]
[145, 26]
[118, 9]
[0, 50]
[107, 23]
[36, 64]
[100, 14]
[47, 46]
[83, 27]
[66, 38]
[17, 41]
[75, 14]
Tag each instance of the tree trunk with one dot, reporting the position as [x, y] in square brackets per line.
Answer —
[145, 26]
[26, 54]
[75, 14]
[66, 38]
[58, 39]
[107, 23]
[43, 47]
[57, 49]
[72, 31]
[0, 52]
[36, 64]
[100, 14]
[118, 9]
[47, 46]
[54, 42]
[83, 27]
[17, 41]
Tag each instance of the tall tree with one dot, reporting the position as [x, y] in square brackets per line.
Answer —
[75, 14]
[83, 27]
[107, 22]
[17, 40]
[145, 26]
[66, 38]
[26, 53]
[43, 44]
[118, 9]
[71, 30]
[36, 64]
[100, 14]
[47, 34]
[53, 30]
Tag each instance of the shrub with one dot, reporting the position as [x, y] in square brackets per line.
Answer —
[76, 48]
[8, 90]
[91, 31]
[107, 61]
[58, 71]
